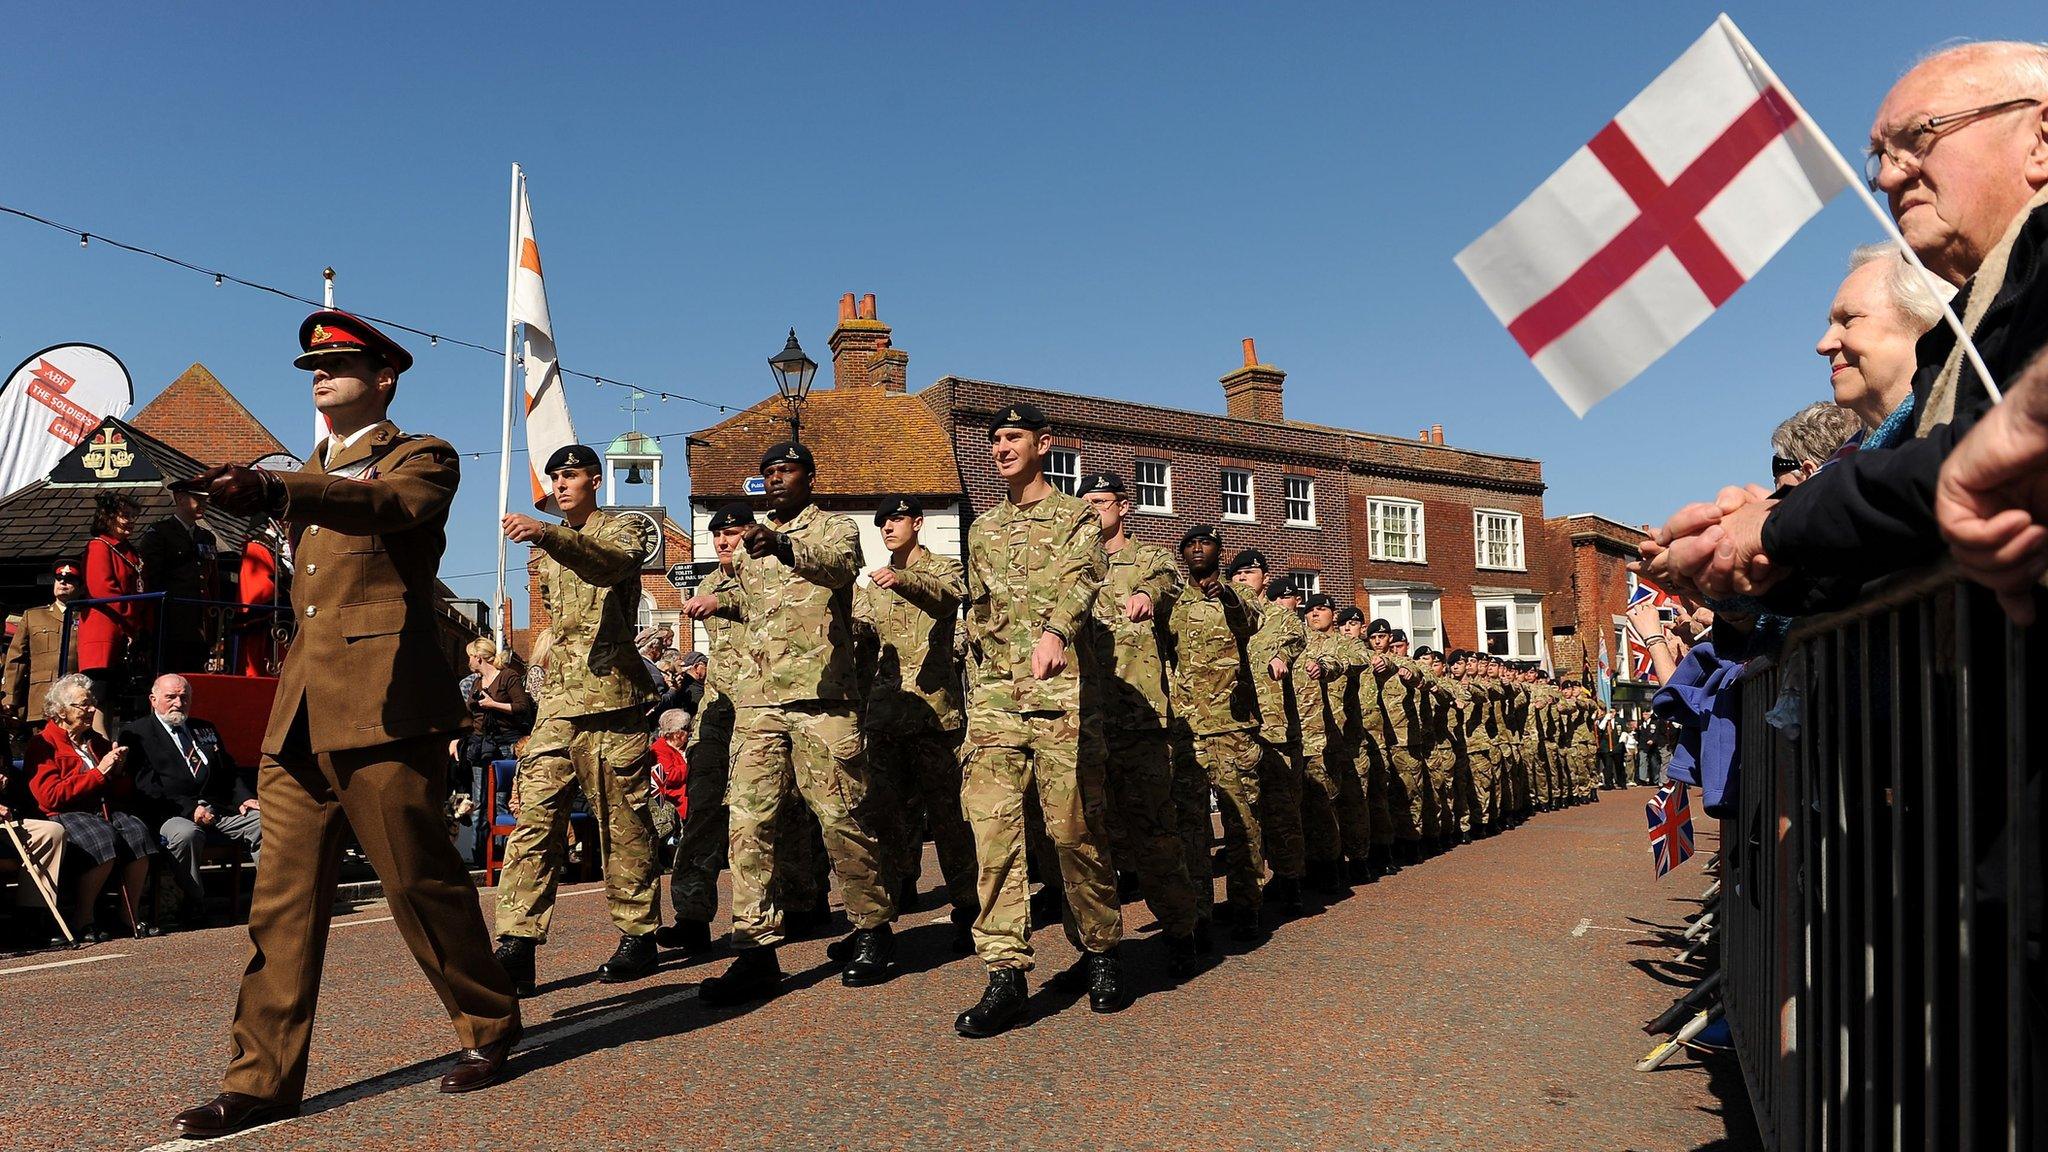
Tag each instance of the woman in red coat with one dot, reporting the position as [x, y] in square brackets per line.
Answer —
[266, 575]
[78, 780]
[107, 633]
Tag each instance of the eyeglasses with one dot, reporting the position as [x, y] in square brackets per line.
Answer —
[1780, 465]
[64, 580]
[1907, 147]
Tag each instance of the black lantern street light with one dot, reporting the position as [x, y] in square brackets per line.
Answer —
[793, 373]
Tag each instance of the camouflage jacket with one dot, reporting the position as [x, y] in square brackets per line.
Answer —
[906, 642]
[729, 674]
[1030, 570]
[798, 618]
[1514, 712]
[1207, 638]
[1584, 720]
[590, 586]
[1281, 636]
[1131, 690]
[1357, 690]
[1318, 699]
[1473, 705]
[1496, 694]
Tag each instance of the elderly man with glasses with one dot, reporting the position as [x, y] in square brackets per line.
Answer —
[1960, 149]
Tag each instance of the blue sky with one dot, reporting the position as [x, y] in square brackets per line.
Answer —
[1095, 198]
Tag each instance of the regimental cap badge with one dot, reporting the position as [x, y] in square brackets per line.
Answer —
[320, 334]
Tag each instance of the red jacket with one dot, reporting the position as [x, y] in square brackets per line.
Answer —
[671, 770]
[63, 782]
[112, 568]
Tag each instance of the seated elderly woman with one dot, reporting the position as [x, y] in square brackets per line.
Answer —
[78, 780]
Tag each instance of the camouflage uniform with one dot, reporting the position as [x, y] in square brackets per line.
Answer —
[1535, 743]
[800, 865]
[1213, 691]
[1513, 745]
[590, 728]
[1437, 705]
[1031, 570]
[1130, 695]
[913, 717]
[1319, 796]
[1281, 636]
[1585, 747]
[1350, 759]
[802, 734]
[1475, 714]
[1400, 736]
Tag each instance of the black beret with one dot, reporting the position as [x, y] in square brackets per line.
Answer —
[1029, 417]
[1200, 532]
[1249, 558]
[731, 515]
[573, 456]
[1400, 636]
[1318, 600]
[788, 453]
[1349, 613]
[1426, 650]
[1377, 627]
[1100, 482]
[1281, 588]
[894, 506]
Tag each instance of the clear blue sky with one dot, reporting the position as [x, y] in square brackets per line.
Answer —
[1045, 194]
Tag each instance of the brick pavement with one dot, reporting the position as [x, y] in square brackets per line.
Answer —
[1490, 999]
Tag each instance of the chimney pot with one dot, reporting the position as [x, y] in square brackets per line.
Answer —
[1436, 433]
[1423, 435]
[846, 306]
[867, 306]
[1251, 352]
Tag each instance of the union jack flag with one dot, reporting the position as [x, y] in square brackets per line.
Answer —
[1639, 663]
[1640, 590]
[1670, 813]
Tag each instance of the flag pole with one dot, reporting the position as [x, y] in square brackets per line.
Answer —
[499, 605]
[1858, 185]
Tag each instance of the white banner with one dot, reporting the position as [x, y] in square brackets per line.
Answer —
[51, 403]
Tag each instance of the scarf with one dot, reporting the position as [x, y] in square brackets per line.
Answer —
[1984, 288]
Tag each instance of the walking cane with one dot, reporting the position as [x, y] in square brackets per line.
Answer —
[34, 869]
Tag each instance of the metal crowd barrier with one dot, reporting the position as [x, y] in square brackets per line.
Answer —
[1883, 929]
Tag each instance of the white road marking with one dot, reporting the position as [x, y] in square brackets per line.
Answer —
[62, 963]
[595, 888]
[415, 1077]
[1586, 925]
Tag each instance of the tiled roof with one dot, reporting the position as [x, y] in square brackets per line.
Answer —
[866, 441]
[198, 415]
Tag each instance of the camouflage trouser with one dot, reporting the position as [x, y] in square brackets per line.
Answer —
[1279, 808]
[800, 866]
[1536, 764]
[1485, 780]
[1440, 766]
[917, 775]
[1354, 812]
[1584, 770]
[1144, 834]
[1192, 818]
[1407, 792]
[1513, 786]
[1233, 760]
[1319, 836]
[1062, 758]
[814, 751]
[1378, 778]
[608, 755]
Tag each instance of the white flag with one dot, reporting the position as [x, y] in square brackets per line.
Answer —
[1656, 222]
[547, 411]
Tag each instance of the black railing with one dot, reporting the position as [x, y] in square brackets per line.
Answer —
[237, 623]
[1883, 917]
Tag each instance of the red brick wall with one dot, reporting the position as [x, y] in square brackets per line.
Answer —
[1449, 548]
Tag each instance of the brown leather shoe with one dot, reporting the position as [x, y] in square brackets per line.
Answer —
[481, 1067]
[230, 1112]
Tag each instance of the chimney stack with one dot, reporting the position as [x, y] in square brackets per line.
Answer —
[1436, 433]
[1423, 435]
[861, 355]
[1253, 392]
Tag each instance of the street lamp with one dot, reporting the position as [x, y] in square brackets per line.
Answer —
[793, 372]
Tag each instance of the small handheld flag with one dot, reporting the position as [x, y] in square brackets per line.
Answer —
[1670, 814]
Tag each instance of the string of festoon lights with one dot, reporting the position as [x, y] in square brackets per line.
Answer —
[222, 278]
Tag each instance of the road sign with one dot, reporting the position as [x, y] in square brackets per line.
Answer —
[688, 576]
[756, 486]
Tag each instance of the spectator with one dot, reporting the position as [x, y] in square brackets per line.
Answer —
[44, 840]
[1879, 314]
[671, 772]
[1807, 441]
[79, 781]
[1629, 741]
[179, 556]
[32, 656]
[651, 642]
[108, 633]
[266, 578]
[1993, 496]
[1971, 197]
[502, 715]
[192, 790]
[685, 687]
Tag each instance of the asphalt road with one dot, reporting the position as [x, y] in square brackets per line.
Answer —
[1492, 998]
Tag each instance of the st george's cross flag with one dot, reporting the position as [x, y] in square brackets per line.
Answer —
[1656, 222]
[547, 411]
[1670, 813]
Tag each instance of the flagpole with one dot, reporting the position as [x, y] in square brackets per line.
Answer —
[500, 605]
[1858, 185]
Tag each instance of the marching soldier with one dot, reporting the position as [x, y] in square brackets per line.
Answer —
[1034, 565]
[908, 612]
[1349, 761]
[1317, 674]
[1211, 628]
[1585, 741]
[1476, 715]
[590, 727]
[730, 677]
[359, 732]
[793, 592]
[1273, 652]
[1435, 706]
[1131, 696]
[1399, 738]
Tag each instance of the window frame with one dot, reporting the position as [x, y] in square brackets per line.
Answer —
[1072, 482]
[1479, 557]
[1417, 539]
[1511, 603]
[1250, 494]
[1309, 581]
[1287, 499]
[1138, 485]
[1405, 602]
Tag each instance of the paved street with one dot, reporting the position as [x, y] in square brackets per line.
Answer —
[1489, 999]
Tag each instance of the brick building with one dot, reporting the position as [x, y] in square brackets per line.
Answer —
[1592, 602]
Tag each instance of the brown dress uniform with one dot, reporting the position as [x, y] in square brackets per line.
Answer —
[359, 732]
[32, 660]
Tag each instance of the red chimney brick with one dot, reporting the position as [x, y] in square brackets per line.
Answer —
[1436, 433]
[858, 343]
[1253, 391]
